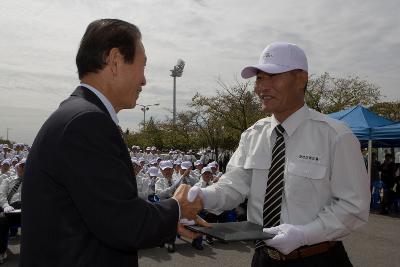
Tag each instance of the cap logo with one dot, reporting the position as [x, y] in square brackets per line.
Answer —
[267, 55]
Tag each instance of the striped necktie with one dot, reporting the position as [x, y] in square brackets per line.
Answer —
[273, 194]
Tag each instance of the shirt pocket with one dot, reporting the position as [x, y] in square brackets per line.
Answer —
[304, 181]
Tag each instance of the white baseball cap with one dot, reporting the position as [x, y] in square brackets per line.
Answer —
[198, 162]
[213, 164]
[206, 169]
[166, 164]
[153, 171]
[278, 57]
[186, 165]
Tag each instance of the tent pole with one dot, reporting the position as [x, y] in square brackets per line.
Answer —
[369, 158]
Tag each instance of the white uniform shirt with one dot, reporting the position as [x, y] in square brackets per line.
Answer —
[326, 187]
[5, 175]
[190, 179]
[5, 188]
[196, 173]
[164, 189]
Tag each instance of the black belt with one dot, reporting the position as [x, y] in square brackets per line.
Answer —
[302, 252]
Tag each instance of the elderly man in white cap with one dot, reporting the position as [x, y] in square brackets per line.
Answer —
[302, 172]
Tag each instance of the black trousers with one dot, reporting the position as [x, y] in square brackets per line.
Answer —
[336, 256]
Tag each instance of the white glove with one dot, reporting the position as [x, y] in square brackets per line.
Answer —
[194, 192]
[287, 238]
[8, 209]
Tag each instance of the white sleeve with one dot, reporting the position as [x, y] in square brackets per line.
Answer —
[349, 185]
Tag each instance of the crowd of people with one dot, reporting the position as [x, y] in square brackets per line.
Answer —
[12, 161]
[158, 175]
[385, 183]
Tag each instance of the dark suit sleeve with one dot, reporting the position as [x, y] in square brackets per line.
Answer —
[103, 189]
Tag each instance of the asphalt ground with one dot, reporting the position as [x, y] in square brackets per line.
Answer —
[375, 244]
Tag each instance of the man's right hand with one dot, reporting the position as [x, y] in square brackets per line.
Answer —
[189, 209]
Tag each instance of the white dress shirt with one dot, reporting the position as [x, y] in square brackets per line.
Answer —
[326, 187]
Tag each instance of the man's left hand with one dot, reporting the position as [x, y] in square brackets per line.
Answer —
[287, 238]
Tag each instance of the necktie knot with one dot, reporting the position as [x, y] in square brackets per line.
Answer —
[279, 130]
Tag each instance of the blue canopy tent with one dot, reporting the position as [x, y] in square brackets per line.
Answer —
[368, 126]
[386, 136]
[361, 121]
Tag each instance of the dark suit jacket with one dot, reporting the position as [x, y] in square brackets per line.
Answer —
[80, 202]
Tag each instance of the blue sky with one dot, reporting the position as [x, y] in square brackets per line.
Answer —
[39, 41]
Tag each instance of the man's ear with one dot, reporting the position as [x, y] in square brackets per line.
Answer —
[302, 79]
[113, 60]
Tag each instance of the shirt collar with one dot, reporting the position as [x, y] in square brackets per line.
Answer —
[293, 121]
[104, 100]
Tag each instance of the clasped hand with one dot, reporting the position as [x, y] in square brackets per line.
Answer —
[189, 209]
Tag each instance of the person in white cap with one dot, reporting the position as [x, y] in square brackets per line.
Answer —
[5, 170]
[198, 165]
[302, 172]
[185, 173]
[215, 171]
[166, 185]
[151, 179]
[206, 178]
[7, 152]
[10, 189]
[10, 200]
[177, 167]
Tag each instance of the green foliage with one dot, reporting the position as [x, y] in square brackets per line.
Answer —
[390, 110]
[328, 94]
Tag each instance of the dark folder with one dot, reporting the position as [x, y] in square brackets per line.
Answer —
[233, 231]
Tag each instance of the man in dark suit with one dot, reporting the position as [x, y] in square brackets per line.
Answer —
[80, 202]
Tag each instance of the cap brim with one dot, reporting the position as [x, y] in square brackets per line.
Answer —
[251, 71]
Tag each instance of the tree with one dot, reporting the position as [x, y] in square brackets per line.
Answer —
[328, 94]
[389, 110]
[235, 107]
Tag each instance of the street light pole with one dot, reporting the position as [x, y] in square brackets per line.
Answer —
[144, 109]
[7, 133]
[176, 72]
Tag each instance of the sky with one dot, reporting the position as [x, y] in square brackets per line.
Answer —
[216, 38]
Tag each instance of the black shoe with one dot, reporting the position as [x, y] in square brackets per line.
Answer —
[197, 243]
[209, 240]
[170, 247]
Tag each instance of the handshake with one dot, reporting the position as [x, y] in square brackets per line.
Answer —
[190, 201]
